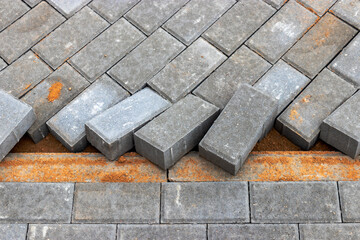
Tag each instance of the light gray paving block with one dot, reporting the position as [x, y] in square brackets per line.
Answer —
[294, 202]
[349, 199]
[248, 116]
[23, 74]
[68, 7]
[301, 121]
[206, 202]
[320, 45]
[149, 15]
[348, 10]
[16, 118]
[28, 30]
[36, 202]
[138, 67]
[187, 70]
[175, 132]
[112, 10]
[195, 17]
[278, 34]
[71, 231]
[117, 203]
[320, 7]
[2, 64]
[13, 231]
[107, 49]
[330, 231]
[10, 11]
[276, 3]
[244, 66]
[32, 3]
[70, 37]
[64, 85]
[68, 125]
[238, 24]
[112, 132]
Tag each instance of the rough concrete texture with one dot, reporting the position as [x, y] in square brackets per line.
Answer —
[348, 11]
[112, 10]
[187, 120]
[112, 131]
[10, 11]
[13, 231]
[329, 231]
[68, 7]
[32, 3]
[2, 64]
[319, 7]
[349, 195]
[276, 3]
[301, 121]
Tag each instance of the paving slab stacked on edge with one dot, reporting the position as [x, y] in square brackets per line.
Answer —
[13, 231]
[68, 125]
[247, 117]
[10, 11]
[349, 199]
[147, 59]
[51, 95]
[16, 118]
[348, 10]
[70, 37]
[68, 7]
[301, 120]
[176, 131]
[329, 231]
[319, 7]
[187, 70]
[32, 3]
[112, 132]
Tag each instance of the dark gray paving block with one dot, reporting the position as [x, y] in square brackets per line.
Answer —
[238, 24]
[32, 3]
[117, 203]
[276, 3]
[175, 132]
[248, 116]
[68, 7]
[187, 70]
[2, 64]
[51, 95]
[28, 30]
[320, 7]
[244, 66]
[36, 202]
[349, 199]
[278, 34]
[301, 121]
[320, 45]
[112, 132]
[70, 37]
[10, 11]
[330, 231]
[112, 10]
[107, 49]
[195, 17]
[349, 11]
[139, 66]
[13, 231]
[68, 125]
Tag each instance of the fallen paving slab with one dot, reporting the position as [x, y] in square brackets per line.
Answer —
[68, 8]
[330, 231]
[13, 231]
[347, 10]
[349, 193]
[11, 11]
[319, 7]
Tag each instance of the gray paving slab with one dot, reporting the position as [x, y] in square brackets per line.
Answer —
[2, 64]
[149, 15]
[70, 37]
[68, 125]
[187, 70]
[279, 34]
[320, 7]
[107, 49]
[238, 24]
[195, 17]
[28, 30]
[112, 132]
[329, 231]
[348, 10]
[276, 3]
[349, 195]
[51, 95]
[10, 11]
[206, 202]
[68, 7]
[13, 231]
[36, 202]
[301, 120]
[117, 203]
[16, 118]
[248, 116]
[139, 66]
[244, 66]
[294, 202]
[23, 74]
[187, 120]
[320, 45]
[32, 3]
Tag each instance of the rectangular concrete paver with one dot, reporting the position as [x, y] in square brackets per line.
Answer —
[317, 6]
[10, 11]
[204, 202]
[349, 195]
[294, 202]
[13, 231]
[276, 3]
[112, 10]
[348, 10]
[32, 3]
[329, 231]
[2, 64]
[68, 7]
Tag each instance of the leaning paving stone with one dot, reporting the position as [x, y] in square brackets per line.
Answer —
[205, 202]
[320, 45]
[51, 95]
[28, 30]
[112, 10]
[138, 67]
[68, 7]
[187, 70]
[117, 203]
[36, 202]
[330, 231]
[278, 34]
[195, 17]
[248, 116]
[68, 125]
[70, 37]
[32, 3]
[320, 7]
[10, 11]
[276, 3]
[301, 121]
[107, 49]
[238, 24]
[13, 231]
[294, 202]
[2, 64]
[348, 10]
[149, 15]
[349, 198]
[187, 120]
[112, 131]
